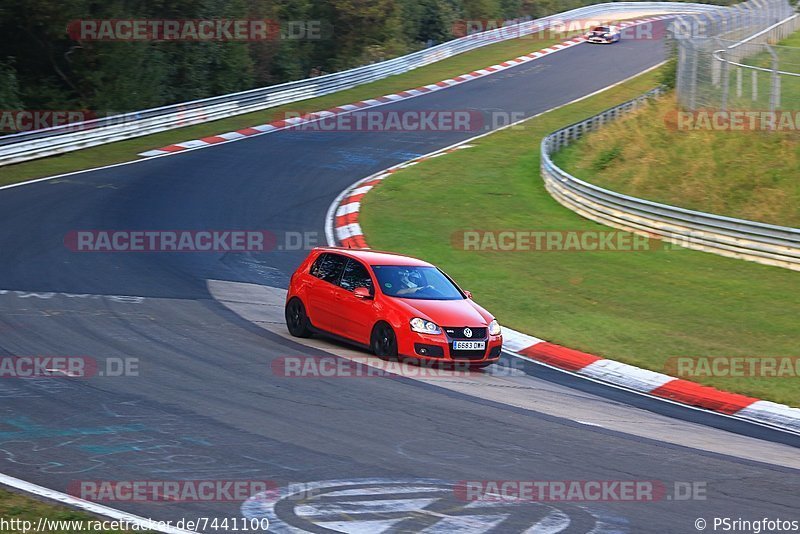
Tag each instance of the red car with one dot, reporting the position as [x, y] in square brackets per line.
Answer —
[396, 305]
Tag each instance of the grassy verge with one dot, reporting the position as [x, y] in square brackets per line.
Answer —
[14, 506]
[638, 307]
[788, 53]
[750, 175]
[745, 174]
[127, 150]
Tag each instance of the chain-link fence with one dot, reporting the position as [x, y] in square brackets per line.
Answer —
[728, 58]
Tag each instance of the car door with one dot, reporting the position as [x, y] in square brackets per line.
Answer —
[322, 299]
[357, 315]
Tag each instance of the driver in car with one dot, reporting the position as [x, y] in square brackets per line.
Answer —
[411, 286]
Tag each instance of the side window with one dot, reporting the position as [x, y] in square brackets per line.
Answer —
[355, 275]
[328, 267]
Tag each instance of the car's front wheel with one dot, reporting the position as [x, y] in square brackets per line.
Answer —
[384, 342]
[296, 319]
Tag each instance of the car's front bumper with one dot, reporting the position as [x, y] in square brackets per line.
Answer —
[439, 348]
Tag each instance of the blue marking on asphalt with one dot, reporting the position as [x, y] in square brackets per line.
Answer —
[114, 449]
[371, 158]
[196, 441]
[27, 429]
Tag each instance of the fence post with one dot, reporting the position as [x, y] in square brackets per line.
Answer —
[739, 90]
[775, 85]
[726, 80]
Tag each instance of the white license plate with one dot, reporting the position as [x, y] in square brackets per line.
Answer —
[469, 345]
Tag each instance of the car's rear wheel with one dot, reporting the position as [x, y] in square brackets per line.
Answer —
[296, 319]
[384, 342]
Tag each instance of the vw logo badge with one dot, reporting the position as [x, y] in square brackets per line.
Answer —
[467, 332]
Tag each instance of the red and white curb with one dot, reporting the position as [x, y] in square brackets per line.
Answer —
[296, 122]
[342, 229]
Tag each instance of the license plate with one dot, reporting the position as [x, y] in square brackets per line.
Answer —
[469, 345]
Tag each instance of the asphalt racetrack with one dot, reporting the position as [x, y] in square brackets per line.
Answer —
[378, 454]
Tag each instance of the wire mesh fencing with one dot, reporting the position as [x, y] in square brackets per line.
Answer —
[729, 58]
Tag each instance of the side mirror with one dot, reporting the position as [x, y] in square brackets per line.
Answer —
[468, 294]
[362, 293]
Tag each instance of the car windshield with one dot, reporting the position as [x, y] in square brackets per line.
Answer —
[421, 283]
[603, 29]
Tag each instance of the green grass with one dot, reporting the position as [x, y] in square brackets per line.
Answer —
[638, 307]
[127, 150]
[23, 508]
[788, 52]
[750, 175]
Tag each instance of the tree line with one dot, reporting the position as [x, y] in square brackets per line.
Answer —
[45, 65]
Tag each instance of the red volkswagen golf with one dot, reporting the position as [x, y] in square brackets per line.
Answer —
[396, 305]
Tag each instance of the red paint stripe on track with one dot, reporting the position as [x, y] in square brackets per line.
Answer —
[707, 397]
[344, 220]
[355, 198]
[248, 131]
[213, 139]
[569, 359]
[172, 148]
[354, 242]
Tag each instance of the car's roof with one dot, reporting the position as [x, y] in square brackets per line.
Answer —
[377, 257]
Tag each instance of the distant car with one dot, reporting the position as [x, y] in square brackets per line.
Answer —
[604, 35]
[397, 306]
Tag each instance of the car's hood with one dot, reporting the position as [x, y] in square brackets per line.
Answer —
[447, 312]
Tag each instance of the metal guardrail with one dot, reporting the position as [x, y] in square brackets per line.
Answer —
[737, 238]
[57, 140]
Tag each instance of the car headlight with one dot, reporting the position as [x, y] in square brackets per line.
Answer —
[494, 328]
[424, 327]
